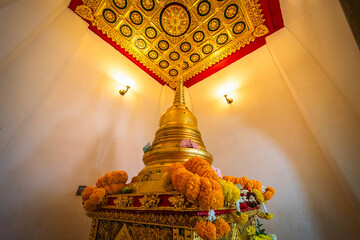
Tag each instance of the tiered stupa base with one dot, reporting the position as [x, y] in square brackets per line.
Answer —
[165, 216]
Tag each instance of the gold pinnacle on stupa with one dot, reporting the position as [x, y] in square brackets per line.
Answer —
[176, 124]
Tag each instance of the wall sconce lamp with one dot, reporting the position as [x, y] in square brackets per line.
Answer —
[122, 91]
[229, 100]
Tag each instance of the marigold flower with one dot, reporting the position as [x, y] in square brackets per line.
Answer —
[114, 188]
[87, 192]
[109, 178]
[193, 163]
[230, 191]
[119, 176]
[97, 196]
[207, 171]
[204, 195]
[100, 182]
[193, 187]
[240, 217]
[183, 180]
[269, 193]
[176, 177]
[222, 227]
[174, 167]
[259, 196]
[206, 230]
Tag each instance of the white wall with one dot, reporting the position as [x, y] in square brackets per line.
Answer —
[262, 135]
[64, 124]
[321, 27]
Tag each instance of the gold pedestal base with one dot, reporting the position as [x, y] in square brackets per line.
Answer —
[163, 216]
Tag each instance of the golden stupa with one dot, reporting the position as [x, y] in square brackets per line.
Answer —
[153, 211]
[176, 124]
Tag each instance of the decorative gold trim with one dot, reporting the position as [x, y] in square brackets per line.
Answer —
[249, 12]
[150, 201]
[124, 201]
[180, 202]
[180, 220]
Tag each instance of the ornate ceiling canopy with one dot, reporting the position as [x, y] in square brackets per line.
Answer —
[193, 39]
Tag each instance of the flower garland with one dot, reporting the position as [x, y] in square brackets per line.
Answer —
[196, 180]
[206, 230]
[245, 183]
[230, 191]
[212, 231]
[259, 195]
[222, 228]
[240, 217]
[110, 183]
[269, 193]
[95, 198]
[201, 167]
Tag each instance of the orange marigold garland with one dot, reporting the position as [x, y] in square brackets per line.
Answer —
[95, 199]
[206, 230]
[205, 191]
[193, 187]
[110, 183]
[87, 192]
[222, 228]
[201, 167]
[196, 179]
[114, 188]
[211, 196]
[269, 193]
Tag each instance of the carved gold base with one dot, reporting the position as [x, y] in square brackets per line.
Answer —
[119, 230]
[159, 216]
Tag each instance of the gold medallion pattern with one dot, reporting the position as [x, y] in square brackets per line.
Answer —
[195, 57]
[214, 24]
[136, 17]
[198, 36]
[239, 27]
[207, 48]
[120, 3]
[231, 11]
[153, 54]
[175, 20]
[203, 8]
[150, 32]
[109, 15]
[222, 38]
[126, 30]
[187, 28]
[163, 45]
[148, 5]
[140, 43]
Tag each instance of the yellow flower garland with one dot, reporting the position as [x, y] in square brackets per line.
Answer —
[230, 191]
[240, 217]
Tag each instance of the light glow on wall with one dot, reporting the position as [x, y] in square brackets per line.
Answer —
[123, 79]
[228, 88]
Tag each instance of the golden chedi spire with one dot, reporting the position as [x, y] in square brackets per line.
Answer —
[177, 126]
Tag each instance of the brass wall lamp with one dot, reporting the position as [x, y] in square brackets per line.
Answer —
[229, 100]
[123, 91]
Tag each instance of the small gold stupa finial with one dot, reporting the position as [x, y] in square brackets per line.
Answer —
[179, 94]
[177, 125]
